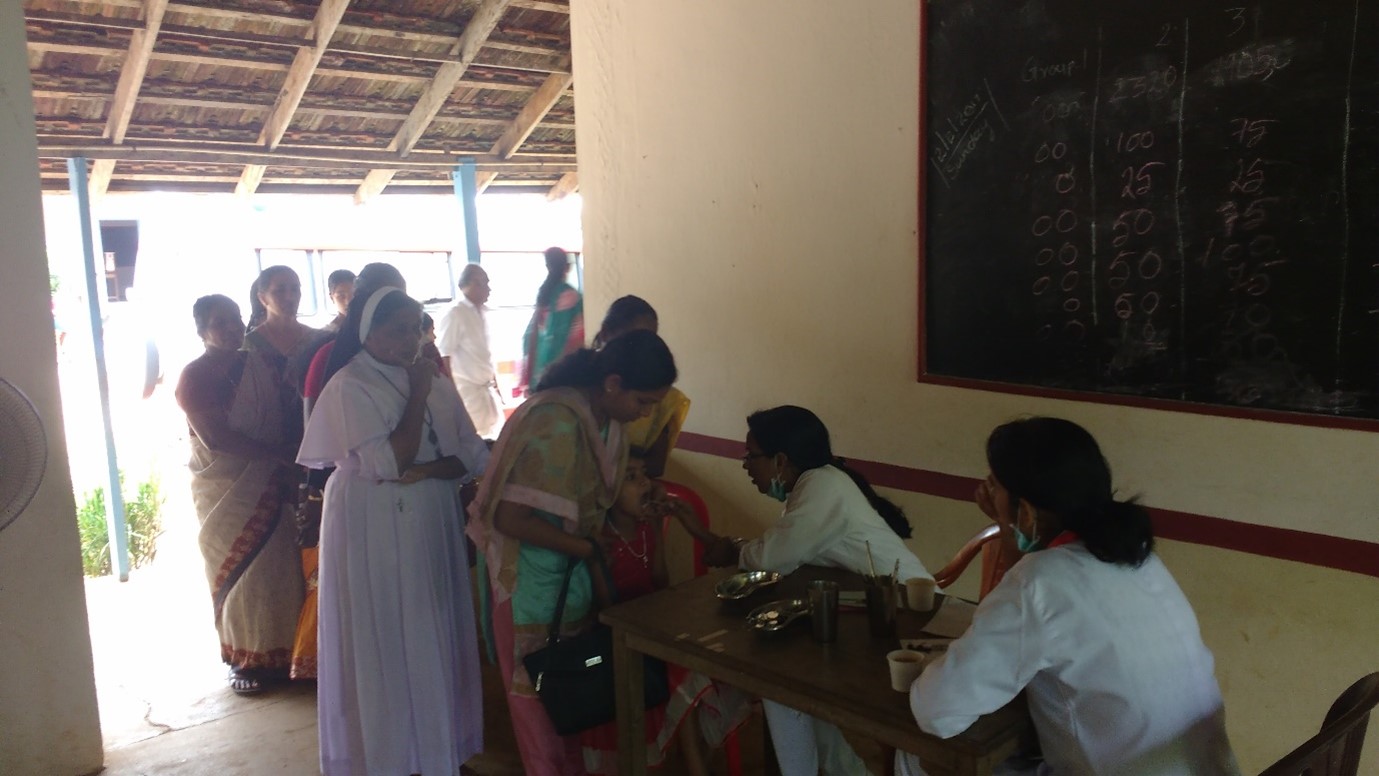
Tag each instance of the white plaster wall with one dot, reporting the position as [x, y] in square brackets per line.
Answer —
[48, 719]
[750, 168]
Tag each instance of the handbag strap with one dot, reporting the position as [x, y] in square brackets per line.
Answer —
[553, 633]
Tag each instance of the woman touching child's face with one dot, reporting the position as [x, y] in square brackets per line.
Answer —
[636, 490]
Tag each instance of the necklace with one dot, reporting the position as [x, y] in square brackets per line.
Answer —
[430, 423]
[641, 556]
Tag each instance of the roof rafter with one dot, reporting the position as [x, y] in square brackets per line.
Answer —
[127, 90]
[567, 185]
[541, 102]
[291, 156]
[328, 17]
[483, 22]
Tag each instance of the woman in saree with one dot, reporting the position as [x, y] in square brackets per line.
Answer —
[285, 344]
[274, 299]
[556, 471]
[399, 688]
[557, 324]
[656, 433]
[242, 483]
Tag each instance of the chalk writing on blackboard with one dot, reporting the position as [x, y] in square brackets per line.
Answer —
[1162, 198]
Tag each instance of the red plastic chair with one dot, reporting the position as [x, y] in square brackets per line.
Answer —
[732, 749]
[701, 511]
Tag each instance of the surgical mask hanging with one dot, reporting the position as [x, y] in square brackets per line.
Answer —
[1025, 543]
[776, 489]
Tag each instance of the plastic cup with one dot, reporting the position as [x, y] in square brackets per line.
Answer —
[919, 593]
[823, 610]
[906, 666]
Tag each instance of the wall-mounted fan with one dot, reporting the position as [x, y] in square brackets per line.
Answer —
[23, 452]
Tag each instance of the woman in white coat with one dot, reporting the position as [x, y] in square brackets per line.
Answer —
[831, 517]
[399, 688]
[1089, 624]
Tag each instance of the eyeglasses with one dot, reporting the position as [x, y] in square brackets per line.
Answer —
[749, 455]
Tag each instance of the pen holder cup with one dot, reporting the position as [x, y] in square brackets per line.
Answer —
[881, 596]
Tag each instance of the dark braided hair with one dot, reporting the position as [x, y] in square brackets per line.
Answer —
[1055, 465]
[621, 315]
[640, 358]
[803, 438]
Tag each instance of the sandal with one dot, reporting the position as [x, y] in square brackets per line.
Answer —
[245, 682]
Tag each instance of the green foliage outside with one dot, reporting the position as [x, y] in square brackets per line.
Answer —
[143, 516]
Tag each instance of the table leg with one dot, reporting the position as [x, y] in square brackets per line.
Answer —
[629, 675]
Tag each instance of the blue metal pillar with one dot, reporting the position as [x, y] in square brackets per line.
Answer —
[114, 499]
[468, 192]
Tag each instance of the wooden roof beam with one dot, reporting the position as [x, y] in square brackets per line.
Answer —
[328, 17]
[200, 152]
[541, 5]
[127, 90]
[404, 27]
[541, 102]
[567, 185]
[483, 22]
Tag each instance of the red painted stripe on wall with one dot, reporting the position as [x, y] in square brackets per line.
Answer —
[1282, 543]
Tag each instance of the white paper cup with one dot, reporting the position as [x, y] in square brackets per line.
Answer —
[906, 666]
[919, 593]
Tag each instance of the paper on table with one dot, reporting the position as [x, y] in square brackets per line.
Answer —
[852, 599]
[952, 618]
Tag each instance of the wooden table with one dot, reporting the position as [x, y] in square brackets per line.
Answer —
[846, 682]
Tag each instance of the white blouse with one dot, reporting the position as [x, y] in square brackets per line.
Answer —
[828, 522]
[360, 407]
[1111, 661]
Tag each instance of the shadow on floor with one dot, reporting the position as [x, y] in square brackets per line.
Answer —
[166, 710]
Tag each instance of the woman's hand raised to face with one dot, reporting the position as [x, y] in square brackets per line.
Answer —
[420, 374]
[985, 498]
[722, 551]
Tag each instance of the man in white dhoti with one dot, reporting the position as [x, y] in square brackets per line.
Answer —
[463, 341]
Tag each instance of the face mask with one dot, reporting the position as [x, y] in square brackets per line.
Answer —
[776, 489]
[1025, 543]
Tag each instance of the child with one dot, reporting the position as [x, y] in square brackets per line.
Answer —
[636, 562]
[428, 345]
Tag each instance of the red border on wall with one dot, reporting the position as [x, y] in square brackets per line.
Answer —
[1282, 543]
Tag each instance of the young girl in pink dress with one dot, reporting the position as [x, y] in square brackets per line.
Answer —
[636, 560]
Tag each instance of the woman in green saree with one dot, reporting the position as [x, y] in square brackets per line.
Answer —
[554, 473]
[557, 325]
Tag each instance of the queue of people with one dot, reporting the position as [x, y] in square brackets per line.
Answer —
[365, 436]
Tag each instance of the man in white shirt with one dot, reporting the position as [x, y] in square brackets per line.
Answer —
[463, 342]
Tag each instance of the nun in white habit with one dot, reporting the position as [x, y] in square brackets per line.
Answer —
[399, 689]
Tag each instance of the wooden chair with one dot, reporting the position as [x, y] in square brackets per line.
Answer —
[1335, 751]
[732, 748]
[996, 560]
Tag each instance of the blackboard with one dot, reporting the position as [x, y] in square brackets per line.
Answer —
[1172, 199]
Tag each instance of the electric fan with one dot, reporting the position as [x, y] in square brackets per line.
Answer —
[23, 452]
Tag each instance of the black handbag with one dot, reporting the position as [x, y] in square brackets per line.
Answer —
[574, 676]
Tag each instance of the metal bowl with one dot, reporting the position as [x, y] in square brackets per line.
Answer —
[739, 586]
[775, 616]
